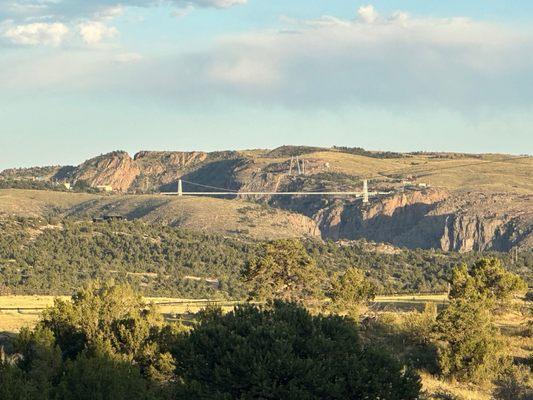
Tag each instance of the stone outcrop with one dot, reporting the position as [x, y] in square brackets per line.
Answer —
[116, 170]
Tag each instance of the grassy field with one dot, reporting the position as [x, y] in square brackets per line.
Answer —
[492, 172]
[21, 311]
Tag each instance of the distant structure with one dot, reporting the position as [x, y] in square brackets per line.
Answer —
[365, 194]
[299, 166]
[104, 188]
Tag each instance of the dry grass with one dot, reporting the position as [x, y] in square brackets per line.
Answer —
[24, 310]
[438, 389]
[490, 172]
[35, 203]
[198, 213]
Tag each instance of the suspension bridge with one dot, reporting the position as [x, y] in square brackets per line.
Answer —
[300, 165]
[365, 194]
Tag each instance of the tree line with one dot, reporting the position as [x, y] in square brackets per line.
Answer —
[56, 256]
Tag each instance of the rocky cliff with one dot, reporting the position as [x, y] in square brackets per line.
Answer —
[433, 219]
[117, 170]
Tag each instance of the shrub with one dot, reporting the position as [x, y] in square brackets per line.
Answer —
[487, 279]
[515, 384]
[284, 271]
[470, 347]
[350, 291]
[284, 352]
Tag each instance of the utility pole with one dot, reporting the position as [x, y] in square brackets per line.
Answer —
[180, 188]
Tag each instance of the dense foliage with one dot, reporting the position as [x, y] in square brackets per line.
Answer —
[351, 290]
[58, 256]
[283, 352]
[470, 345]
[470, 348]
[284, 271]
[486, 280]
[106, 344]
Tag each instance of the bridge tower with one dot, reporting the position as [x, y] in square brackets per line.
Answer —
[365, 191]
[180, 188]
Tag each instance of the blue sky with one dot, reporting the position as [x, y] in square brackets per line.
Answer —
[80, 78]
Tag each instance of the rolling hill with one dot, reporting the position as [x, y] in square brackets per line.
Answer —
[196, 213]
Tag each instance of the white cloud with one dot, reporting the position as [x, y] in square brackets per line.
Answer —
[37, 34]
[93, 32]
[455, 63]
[368, 14]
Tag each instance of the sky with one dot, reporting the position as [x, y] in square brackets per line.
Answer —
[80, 78]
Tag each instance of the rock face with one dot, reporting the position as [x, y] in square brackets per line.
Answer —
[435, 219]
[117, 170]
[153, 171]
[479, 221]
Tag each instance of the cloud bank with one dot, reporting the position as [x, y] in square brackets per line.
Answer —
[387, 61]
[18, 10]
[46, 22]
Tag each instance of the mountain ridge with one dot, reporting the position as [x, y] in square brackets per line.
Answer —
[450, 201]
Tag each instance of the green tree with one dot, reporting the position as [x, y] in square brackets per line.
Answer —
[112, 320]
[469, 345]
[487, 279]
[99, 377]
[283, 352]
[13, 383]
[284, 271]
[41, 360]
[350, 291]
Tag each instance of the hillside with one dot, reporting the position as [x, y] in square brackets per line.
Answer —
[197, 213]
[449, 201]
[55, 255]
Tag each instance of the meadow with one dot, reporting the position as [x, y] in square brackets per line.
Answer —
[24, 311]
